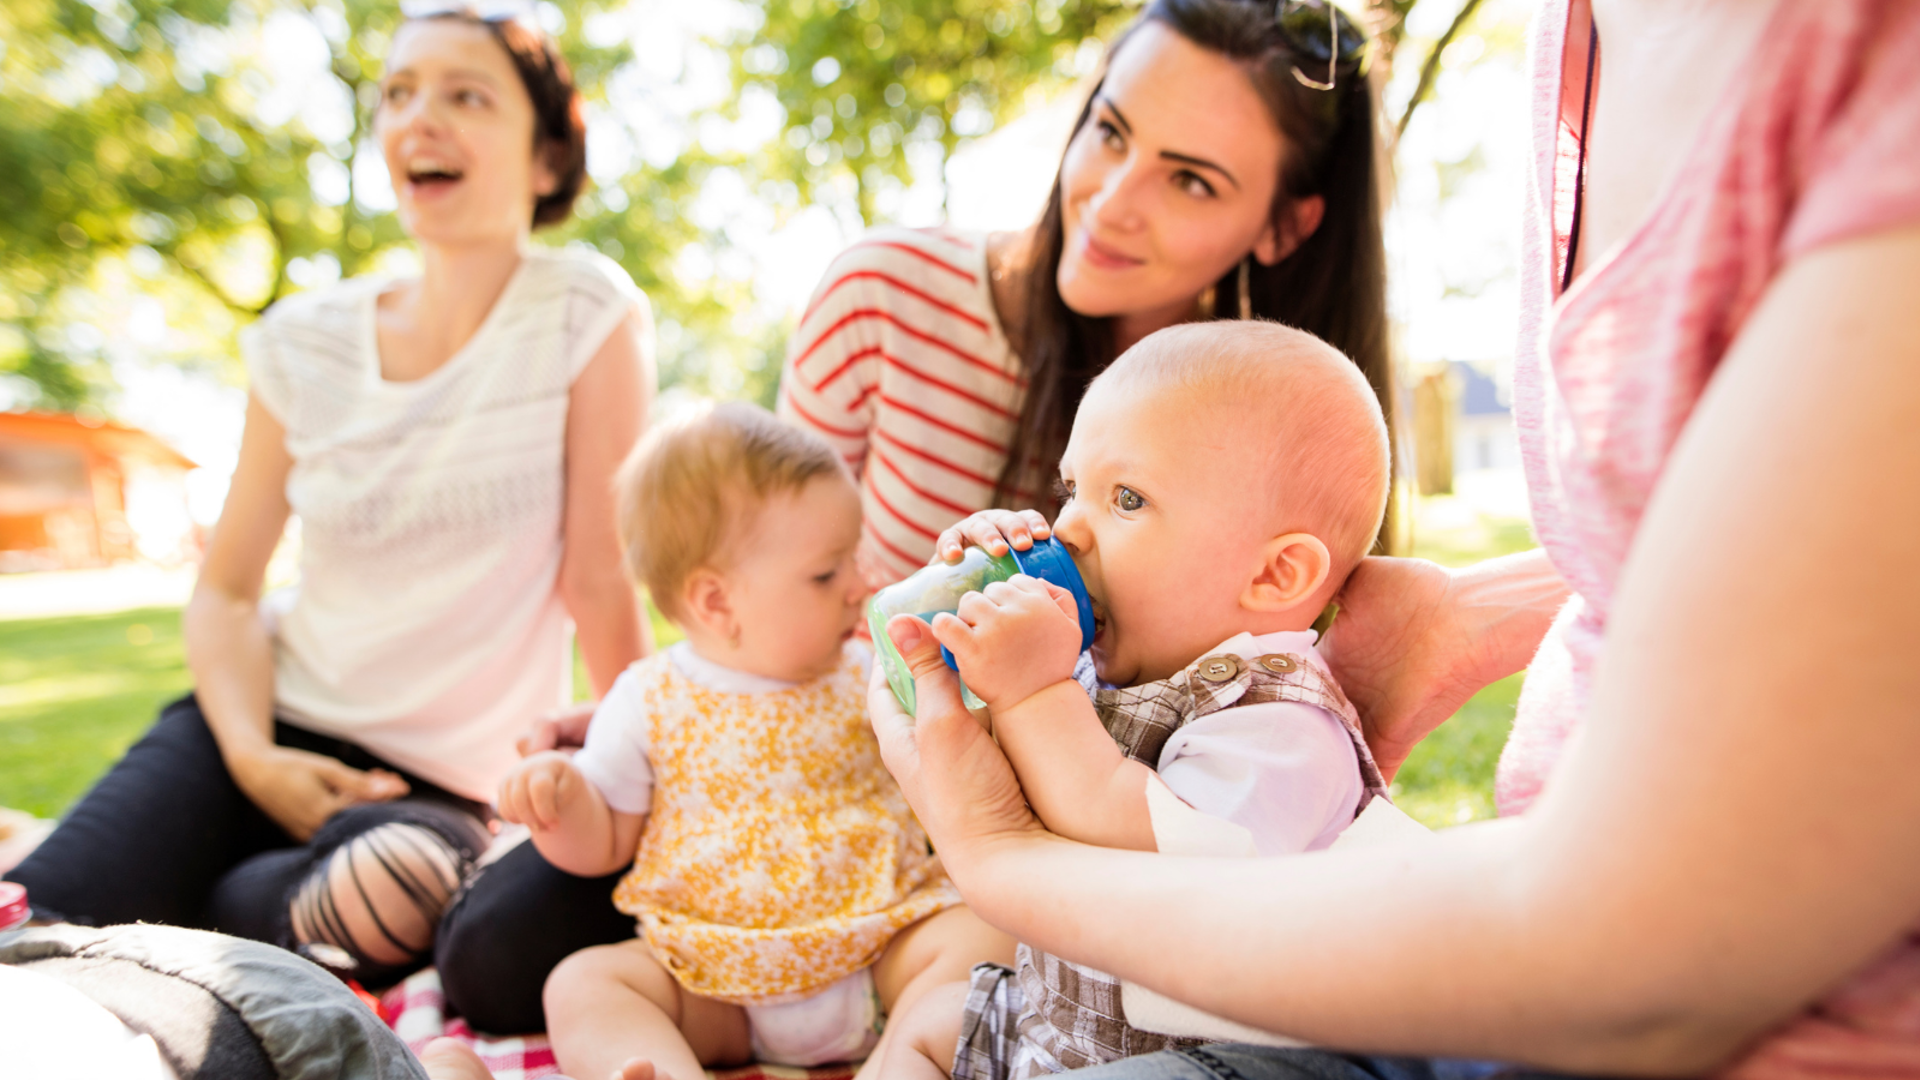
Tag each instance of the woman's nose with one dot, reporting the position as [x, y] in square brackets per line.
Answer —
[1115, 204]
[420, 114]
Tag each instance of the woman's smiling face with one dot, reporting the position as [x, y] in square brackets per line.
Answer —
[456, 128]
[1169, 183]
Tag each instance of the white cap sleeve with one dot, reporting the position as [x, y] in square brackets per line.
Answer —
[599, 295]
[266, 376]
[615, 756]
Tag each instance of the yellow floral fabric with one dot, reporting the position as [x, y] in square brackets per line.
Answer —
[778, 856]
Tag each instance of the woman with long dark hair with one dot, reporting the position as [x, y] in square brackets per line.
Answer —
[1226, 165]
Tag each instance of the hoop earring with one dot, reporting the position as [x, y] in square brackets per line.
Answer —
[1246, 287]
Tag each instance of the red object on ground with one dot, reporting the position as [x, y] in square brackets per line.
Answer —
[14, 909]
[368, 999]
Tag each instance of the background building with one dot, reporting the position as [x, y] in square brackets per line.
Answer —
[1483, 435]
[79, 492]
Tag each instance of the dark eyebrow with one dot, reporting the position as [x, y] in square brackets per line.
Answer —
[475, 74]
[1185, 159]
[1203, 163]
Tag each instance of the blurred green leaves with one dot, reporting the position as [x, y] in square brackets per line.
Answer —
[160, 139]
[862, 80]
[171, 151]
[163, 149]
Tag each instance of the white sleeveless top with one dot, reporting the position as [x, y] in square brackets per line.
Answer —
[427, 626]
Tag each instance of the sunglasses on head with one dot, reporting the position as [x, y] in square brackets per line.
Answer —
[1321, 34]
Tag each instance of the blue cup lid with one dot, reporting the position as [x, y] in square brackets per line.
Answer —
[1049, 561]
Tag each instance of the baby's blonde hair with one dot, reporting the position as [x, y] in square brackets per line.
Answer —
[1327, 458]
[697, 481]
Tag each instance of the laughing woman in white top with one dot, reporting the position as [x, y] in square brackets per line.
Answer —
[448, 442]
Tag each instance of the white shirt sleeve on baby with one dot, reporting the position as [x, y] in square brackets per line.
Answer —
[1285, 771]
[615, 756]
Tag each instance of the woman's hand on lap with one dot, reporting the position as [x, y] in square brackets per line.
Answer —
[994, 531]
[953, 774]
[562, 729]
[301, 790]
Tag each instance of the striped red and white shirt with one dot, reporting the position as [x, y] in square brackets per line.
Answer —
[901, 363]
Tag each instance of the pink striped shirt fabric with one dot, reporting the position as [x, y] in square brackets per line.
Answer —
[900, 362]
[1816, 140]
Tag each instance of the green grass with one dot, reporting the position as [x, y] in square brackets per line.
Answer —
[1448, 779]
[76, 692]
[1469, 542]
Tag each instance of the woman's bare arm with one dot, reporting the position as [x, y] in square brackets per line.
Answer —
[1729, 837]
[232, 657]
[227, 647]
[606, 411]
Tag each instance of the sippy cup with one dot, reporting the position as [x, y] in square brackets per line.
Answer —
[939, 587]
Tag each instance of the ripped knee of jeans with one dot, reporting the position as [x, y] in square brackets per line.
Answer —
[371, 907]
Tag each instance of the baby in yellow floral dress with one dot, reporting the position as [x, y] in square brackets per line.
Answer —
[786, 898]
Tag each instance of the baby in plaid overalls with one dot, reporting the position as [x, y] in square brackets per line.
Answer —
[1221, 481]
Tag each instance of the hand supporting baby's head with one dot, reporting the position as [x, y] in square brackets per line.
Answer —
[1223, 477]
[742, 529]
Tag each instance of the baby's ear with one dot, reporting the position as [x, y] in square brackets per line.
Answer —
[1292, 569]
[705, 600]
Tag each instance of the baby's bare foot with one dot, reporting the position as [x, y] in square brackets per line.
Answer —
[451, 1059]
[636, 1069]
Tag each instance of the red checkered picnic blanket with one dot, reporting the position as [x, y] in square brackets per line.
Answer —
[417, 1012]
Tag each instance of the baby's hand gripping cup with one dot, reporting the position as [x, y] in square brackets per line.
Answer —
[939, 587]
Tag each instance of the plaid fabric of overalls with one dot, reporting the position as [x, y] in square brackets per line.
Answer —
[1055, 1015]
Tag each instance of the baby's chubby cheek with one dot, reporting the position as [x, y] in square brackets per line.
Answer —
[1155, 632]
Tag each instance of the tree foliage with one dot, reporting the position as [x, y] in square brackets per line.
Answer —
[159, 133]
[159, 148]
[861, 80]
[158, 136]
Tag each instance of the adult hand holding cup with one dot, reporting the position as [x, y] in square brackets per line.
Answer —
[950, 769]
